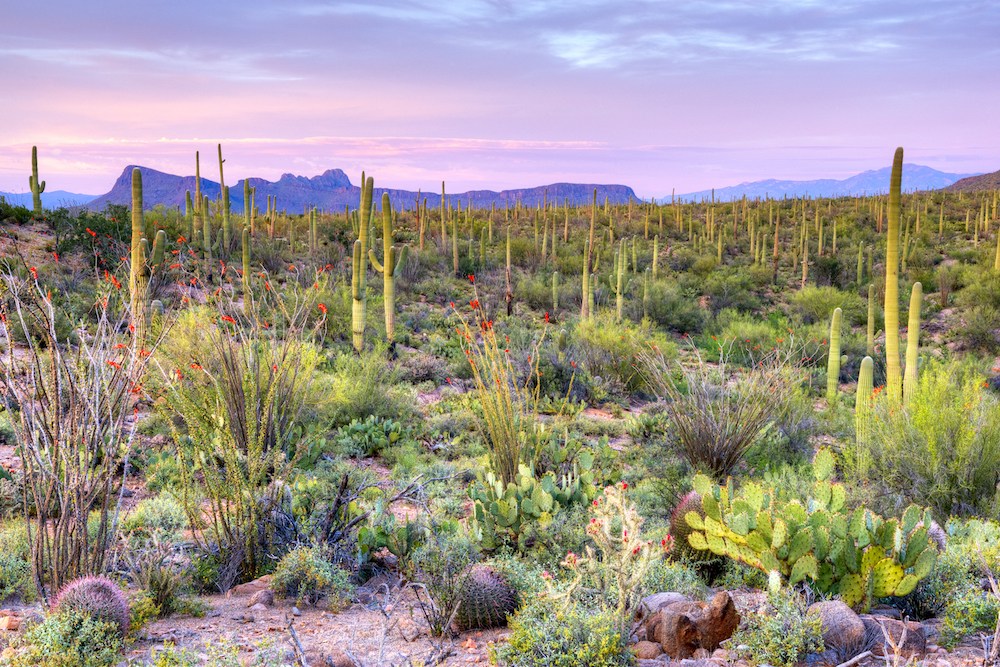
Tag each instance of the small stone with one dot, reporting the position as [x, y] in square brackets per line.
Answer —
[251, 587]
[701, 654]
[721, 654]
[259, 607]
[296, 611]
[10, 623]
[646, 650]
[842, 627]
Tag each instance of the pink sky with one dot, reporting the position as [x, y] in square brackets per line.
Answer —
[499, 93]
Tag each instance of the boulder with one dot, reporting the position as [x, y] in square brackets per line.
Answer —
[654, 603]
[675, 632]
[262, 597]
[10, 623]
[842, 628]
[646, 650]
[716, 620]
[908, 636]
[251, 587]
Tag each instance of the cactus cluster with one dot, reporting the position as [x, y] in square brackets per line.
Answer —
[486, 599]
[500, 513]
[859, 555]
[95, 596]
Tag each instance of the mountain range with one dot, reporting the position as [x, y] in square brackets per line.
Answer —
[53, 199]
[976, 183]
[332, 191]
[915, 177]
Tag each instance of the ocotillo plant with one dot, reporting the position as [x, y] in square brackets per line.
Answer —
[833, 360]
[359, 273]
[37, 186]
[893, 380]
[393, 261]
[912, 344]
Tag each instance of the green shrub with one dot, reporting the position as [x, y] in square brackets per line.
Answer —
[307, 576]
[363, 385]
[674, 310]
[972, 610]
[441, 568]
[609, 349]
[944, 449]
[71, 639]
[780, 636]
[666, 575]
[568, 635]
[15, 576]
[370, 437]
[816, 304]
[161, 517]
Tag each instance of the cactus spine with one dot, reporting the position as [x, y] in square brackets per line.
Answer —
[359, 273]
[393, 261]
[912, 344]
[37, 187]
[833, 360]
[893, 379]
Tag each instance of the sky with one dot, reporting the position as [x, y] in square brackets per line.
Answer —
[492, 94]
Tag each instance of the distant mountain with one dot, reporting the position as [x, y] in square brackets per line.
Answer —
[976, 183]
[53, 199]
[332, 191]
[915, 177]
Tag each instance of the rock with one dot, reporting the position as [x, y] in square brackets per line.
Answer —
[646, 650]
[10, 623]
[886, 612]
[842, 628]
[264, 597]
[701, 654]
[250, 588]
[296, 611]
[723, 655]
[675, 632]
[259, 607]
[642, 662]
[654, 603]
[913, 644]
[716, 620]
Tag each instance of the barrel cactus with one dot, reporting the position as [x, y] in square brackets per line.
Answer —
[97, 596]
[486, 600]
[680, 529]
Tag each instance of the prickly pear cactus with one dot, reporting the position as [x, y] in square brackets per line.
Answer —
[486, 599]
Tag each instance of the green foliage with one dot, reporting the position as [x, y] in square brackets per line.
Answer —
[782, 635]
[678, 576]
[15, 576]
[816, 304]
[608, 349]
[362, 385]
[970, 611]
[544, 634]
[153, 569]
[161, 517]
[305, 574]
[370, 437]
[71, 639]
[673, 310]
[441, 569]
[943, 450]
[859, 555]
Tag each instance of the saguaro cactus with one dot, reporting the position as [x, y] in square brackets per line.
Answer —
[555, 291]
[833, 360]
[912, 344]
[863, 408]
[393, 261]
[893, 379]
[37, 187]
[141, 266]
[359, 274]
[246, 267]
[870, 346]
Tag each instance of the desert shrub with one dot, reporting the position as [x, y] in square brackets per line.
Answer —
[305, 574]
[782, 635]
[943, 450]
[71, 639]
[15, 576]
[609, 349]
[718, 412]
[969, 611]
[161, 517]
[673, 310]
[238, 406]
[154, 570]
[362, 385]
[667, 575]
[441, 569]
[546, 634]
[97, 596]
[979, 330]
[950, 577]
[730, 289]
[816, 304]
[369, 437]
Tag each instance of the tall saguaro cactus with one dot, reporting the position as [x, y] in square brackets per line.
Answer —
[359, 273]
[141, 266]
[912, 344]
[863, 409]
[393, 260]
[833, 360]
[37, 187]
[893, 379]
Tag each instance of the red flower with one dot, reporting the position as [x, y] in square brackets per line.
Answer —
[56, 255]
[322, 308]
[181, 239]
[474, 304]
[34, 272]
[91, 232]
[624, 486]
[227, 318]
[114, 364]
[546, 317]
[472, 278]
[175, 266]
